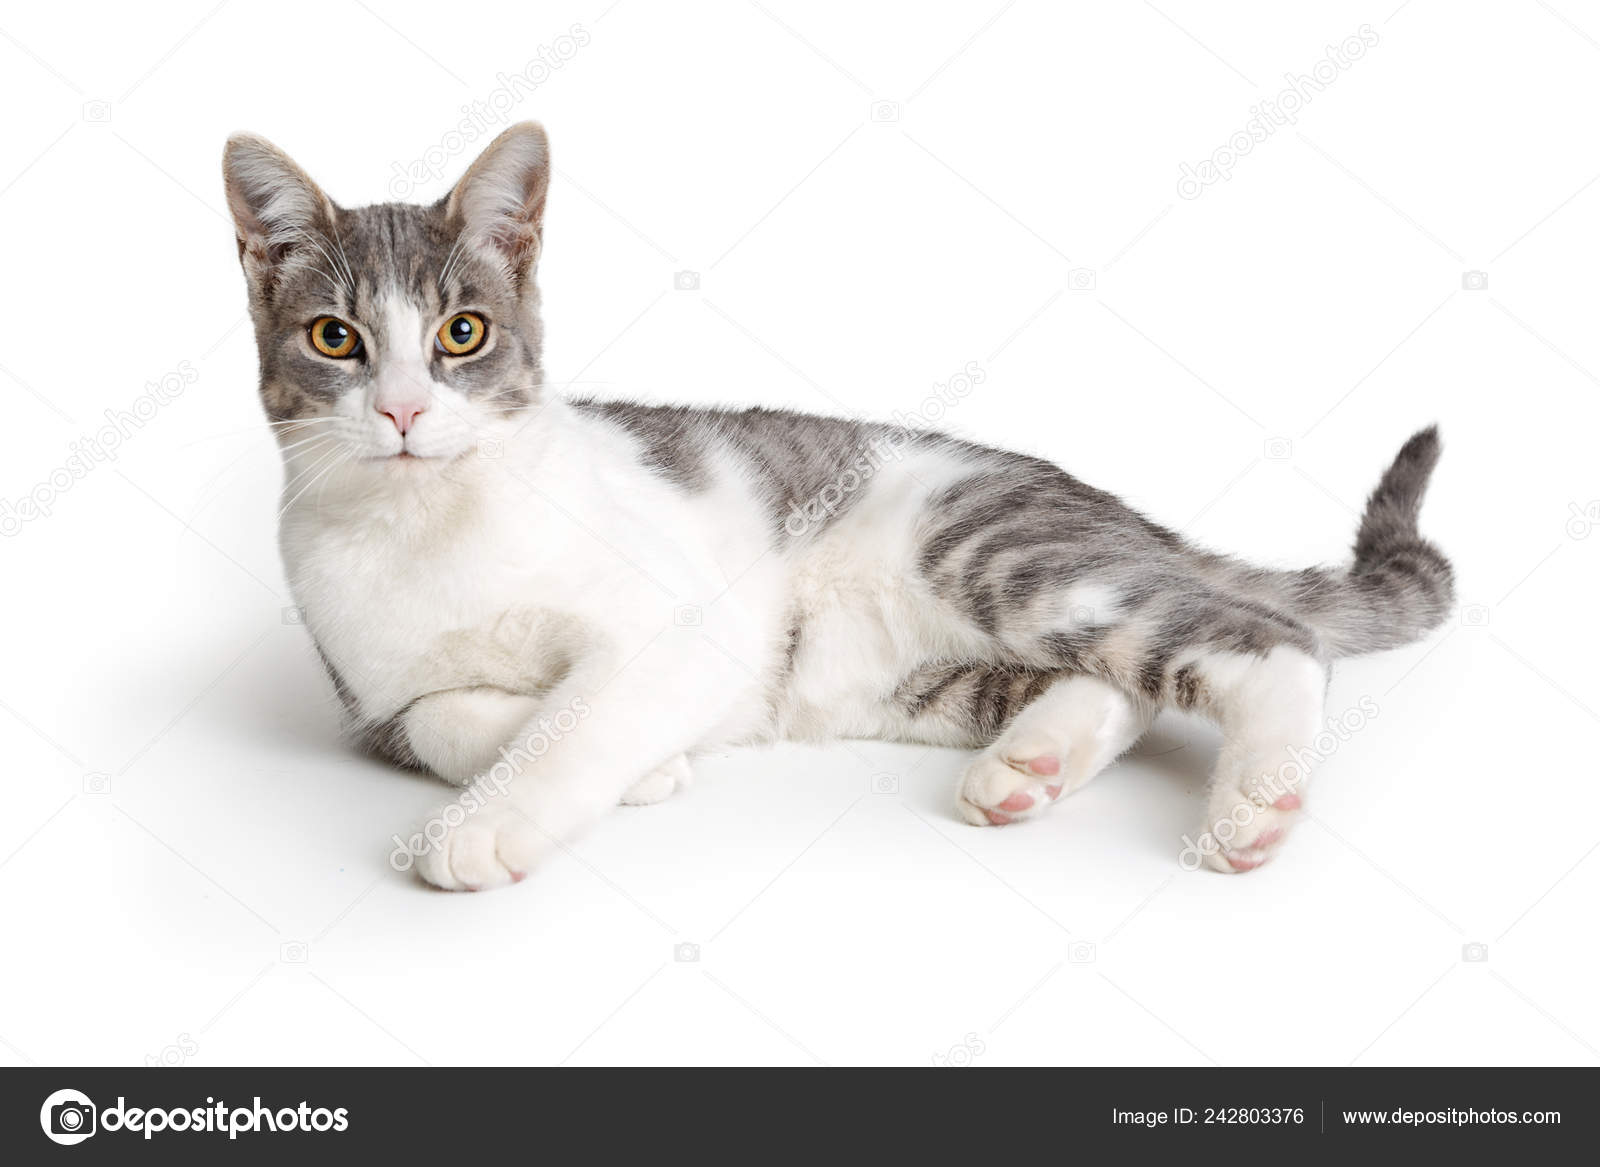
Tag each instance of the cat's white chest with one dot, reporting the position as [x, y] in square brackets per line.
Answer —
[381, 606]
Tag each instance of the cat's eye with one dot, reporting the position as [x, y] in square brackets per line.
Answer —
[332, 337]
[463, 333]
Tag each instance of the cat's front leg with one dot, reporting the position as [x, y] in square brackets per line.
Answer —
[558, 773]
[457, 734]
[581, 754]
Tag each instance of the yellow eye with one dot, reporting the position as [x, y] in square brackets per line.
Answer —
[332, 337]
[463, 333]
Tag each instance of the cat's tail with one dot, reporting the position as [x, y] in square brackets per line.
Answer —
[1400, 586]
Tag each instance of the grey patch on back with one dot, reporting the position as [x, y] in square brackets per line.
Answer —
[790, 458]
[672, 441]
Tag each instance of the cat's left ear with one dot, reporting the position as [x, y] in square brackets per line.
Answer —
[277, 209]
[498, 205]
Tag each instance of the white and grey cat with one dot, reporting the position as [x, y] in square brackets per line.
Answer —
[566, 600]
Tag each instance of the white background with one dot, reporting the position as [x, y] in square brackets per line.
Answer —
[229, 897]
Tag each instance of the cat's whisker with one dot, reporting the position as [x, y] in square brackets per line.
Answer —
[340, 284]
[326, 466]
[305, 265]
[254, 430]
[322, 459]
[338, 245]
[326, 474]
[322, 437]
[298, 442]
[449, 264]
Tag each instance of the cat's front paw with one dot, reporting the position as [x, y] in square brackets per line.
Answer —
[495, 847]
[660, 784]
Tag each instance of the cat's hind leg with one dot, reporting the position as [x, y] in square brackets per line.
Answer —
[1056, 744]
[1269, 707]
[1181, 639]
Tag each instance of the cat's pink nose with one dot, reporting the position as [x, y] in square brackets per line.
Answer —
[404, 415]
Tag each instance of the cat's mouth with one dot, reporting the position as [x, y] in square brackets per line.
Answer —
[410, 458]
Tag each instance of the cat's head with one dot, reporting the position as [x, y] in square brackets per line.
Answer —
[397, 336]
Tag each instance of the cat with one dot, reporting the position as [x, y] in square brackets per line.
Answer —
[558, 602]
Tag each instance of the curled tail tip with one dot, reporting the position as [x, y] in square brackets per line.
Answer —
[1400, 586]
[1421, 450]
[1398, 498]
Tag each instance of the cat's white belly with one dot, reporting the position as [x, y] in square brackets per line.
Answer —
[866, 619]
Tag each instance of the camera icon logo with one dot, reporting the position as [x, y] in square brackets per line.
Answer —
[1277, 449]
[1082, 279]
[686, 281]
[688, 616]
[97, 110]
[1475, 616]
[885, 111]
[294, 952]
[68, 1117]
[1475, 953]
[295, 615]
[1081, 614]
[491, 448]
[886, 784]
[1080, 952]
[1474, 281]
[686, 953]
[98, 782]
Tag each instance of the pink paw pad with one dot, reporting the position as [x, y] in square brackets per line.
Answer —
[1288, 802]
[518, 876]
[1045, 765]
[1019, 801]
[997, 818]
[1258, 852]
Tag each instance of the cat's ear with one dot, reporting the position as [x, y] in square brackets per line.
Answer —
[276, 208]
[498, 206]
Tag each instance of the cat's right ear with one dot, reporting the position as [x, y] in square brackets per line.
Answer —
[276, 207]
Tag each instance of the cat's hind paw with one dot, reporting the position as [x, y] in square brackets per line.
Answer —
[1010, 781]
[1245, 846]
